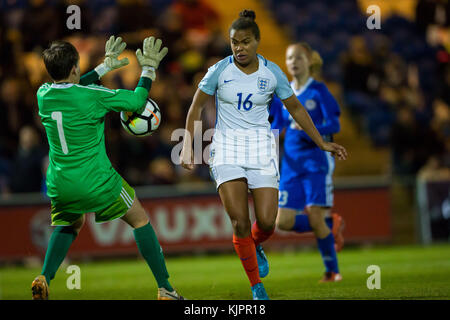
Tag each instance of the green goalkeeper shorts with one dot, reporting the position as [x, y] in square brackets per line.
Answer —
[114, 211]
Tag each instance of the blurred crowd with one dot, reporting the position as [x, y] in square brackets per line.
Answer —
[189, 28]
[395, 81]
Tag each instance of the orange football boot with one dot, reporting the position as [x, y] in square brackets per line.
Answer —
[331, 277]
[338, 228]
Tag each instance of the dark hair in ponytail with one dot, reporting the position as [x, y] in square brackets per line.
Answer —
[246, 20]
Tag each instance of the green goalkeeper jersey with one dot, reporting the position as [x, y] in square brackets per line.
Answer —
[80, 177]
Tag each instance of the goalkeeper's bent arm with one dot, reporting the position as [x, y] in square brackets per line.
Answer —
[127, 100]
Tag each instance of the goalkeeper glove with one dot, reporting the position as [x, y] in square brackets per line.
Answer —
[151, 57]
[113, 48]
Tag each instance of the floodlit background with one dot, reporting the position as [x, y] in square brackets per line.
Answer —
[392, 84]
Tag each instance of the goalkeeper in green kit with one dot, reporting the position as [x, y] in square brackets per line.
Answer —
[80, 177]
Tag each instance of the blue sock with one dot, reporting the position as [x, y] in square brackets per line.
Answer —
[302, 223]
[329, 222]
[326, 248]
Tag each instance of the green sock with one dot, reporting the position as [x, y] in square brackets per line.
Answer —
[150, 249]
[58, 245]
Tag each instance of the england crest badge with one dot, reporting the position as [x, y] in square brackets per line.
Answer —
[263, 84]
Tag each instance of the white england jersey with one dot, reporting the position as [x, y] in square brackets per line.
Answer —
[242, 132]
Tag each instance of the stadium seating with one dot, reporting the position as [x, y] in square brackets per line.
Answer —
[328, 26]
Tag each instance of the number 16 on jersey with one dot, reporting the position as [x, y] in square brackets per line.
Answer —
[247, 104]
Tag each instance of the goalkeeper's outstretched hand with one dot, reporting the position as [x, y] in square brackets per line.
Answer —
[150, 57]
[113, 48]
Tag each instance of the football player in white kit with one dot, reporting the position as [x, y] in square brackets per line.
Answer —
[243, 152]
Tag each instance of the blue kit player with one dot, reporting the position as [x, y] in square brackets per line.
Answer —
[306, 186]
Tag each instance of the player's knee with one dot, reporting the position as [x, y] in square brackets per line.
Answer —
[283, 222]
[266, 224]
[316, 219]
[76, 227]
[136, 217]
[241, 227]
[314, 222]
[285, 219]
[140, 219]
[140, 223]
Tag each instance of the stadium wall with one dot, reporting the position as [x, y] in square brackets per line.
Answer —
[187, 219]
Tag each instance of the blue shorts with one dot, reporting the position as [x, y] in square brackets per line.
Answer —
[311, 189]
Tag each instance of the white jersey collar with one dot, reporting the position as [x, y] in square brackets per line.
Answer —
[61, 85]
[260, 61]
[303, 88]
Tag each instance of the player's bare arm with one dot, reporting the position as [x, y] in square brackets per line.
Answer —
[194, 114]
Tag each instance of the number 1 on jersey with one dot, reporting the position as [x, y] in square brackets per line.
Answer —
[57, 115]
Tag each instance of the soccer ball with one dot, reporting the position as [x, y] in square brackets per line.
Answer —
[142, 124]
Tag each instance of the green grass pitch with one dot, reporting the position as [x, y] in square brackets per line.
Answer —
[407, 272]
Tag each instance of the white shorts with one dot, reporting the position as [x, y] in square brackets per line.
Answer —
[254, 160]
[257, 177]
